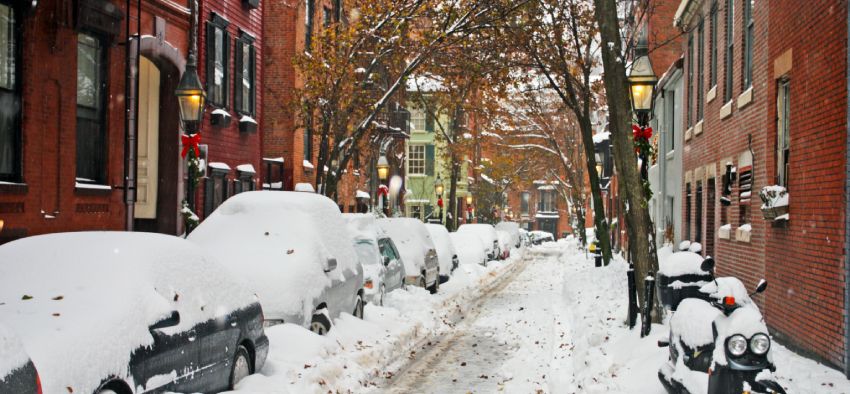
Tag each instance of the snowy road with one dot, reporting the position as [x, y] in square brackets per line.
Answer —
[504, 343]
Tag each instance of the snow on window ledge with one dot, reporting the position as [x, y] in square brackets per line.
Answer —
[725, 231]
[744, 233]
[91, 186]
[307, 164]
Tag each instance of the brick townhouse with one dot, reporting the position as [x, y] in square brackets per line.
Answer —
[766, 104]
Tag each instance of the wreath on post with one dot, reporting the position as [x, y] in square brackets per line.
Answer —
[643, 148]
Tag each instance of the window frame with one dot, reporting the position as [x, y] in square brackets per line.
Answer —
[217, 23]
[747, 34]
[700, 97]
[730, 49]
[244, 41]
[783, 131]
[525, 203]
[416, 121]
[216, 176]
[16, 174]
[712, 72]
[414, 158]
[100, 152]
[690, 76]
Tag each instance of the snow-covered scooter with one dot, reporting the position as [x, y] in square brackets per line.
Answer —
[719, 342]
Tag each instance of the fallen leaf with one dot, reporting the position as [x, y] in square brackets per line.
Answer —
[26, 297]
[290, 251]
[55, 314]
[57, 298]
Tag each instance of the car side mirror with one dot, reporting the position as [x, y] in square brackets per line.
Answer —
[707, 264]
[386, 261]
[330, 265]
[762, 286]
[170, 321]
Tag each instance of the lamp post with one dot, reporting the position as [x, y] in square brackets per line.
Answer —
[190, 97]
[383, 168]
[642, 82]
[469, 208]
[438, 190]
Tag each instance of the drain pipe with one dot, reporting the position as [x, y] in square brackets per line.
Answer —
[847, 215]
[131, 89]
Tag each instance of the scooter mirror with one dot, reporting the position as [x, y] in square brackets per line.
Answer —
[707, 264]
[762, 286]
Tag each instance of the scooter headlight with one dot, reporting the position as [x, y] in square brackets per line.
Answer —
[760, 344]
[736, 345]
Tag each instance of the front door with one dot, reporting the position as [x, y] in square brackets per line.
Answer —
[148, 138]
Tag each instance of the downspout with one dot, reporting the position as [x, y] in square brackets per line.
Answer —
[847, 212]
[660, 218]
[131, 68]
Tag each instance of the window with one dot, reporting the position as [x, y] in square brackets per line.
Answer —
[309, 10]
[700, 76]
[417, 120]
[326, 17]
[218, 60]
[308, 143]
[670, 118]
[244, 182]
[216, 190]
[783, 138]
[688, 211]
[91, 117]
[416, 160]
[712, 68]
[730, 44]
[10, 96]
[525, 201]
[547, 201]
[748, 44]
[698, 234]
[690, 80]
[244, 87]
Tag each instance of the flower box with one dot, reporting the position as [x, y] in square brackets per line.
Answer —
[774, 201]
[220, 118]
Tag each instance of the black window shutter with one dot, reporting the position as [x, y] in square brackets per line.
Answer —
[226, 82]
[237, 78]
[429, 122]
[429, 159]
[253, 79]
[210, 59]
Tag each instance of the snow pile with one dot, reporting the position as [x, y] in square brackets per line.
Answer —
[12, 353]
[695, 247]
[692, 321]
[412, 240]
[280, 242]
[443, 245]
[470, 249]
[359, 355]
[362, 194]
[92, 296]
[681, 263]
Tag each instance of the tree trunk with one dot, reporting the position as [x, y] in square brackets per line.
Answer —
[582, 234]
[616, 83]
[451, 224]
[600, 221]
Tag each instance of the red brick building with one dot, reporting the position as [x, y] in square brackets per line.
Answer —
[766, 104]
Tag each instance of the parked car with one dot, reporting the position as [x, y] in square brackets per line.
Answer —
[539, 237]
[17, 372]
[505, 244]
[445, 249]
[295, 251]
[512, 228]
[124, 312]
[488, 237]
[383, 270]
[525, 237]
[417, 250]
[470, 249]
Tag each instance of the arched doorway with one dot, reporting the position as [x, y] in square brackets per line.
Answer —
[160, 172]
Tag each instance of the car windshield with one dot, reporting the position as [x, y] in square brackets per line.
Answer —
[366, 252]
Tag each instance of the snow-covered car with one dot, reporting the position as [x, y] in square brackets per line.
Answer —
[125, 312]
[17, 372]
[512, 228]
[295, 251]
[470, 249]
[539, 237]
[488, 236]
[505, 244]
[418, 253]
[445, 249]
[383, 270]
[524, 236]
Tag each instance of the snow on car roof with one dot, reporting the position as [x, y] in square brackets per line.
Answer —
[93, 295]
[412, 240]
[443, 244]
[363, 226]
[279, 241]
[12, 353]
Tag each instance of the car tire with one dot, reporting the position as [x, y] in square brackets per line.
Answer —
[241, 366]
[436, 286]
[422, 283]
[358, 307]
[382, 293]
[320, 324]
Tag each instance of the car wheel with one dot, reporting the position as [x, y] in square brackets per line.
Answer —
[358, 307]
[436, 286]
[320, 324]
[241, 366]
[422, 282]
[381, 295]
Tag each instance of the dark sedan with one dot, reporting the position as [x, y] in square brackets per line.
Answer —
[135, 313]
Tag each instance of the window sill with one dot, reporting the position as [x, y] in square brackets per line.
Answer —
[689, 133]
[726, 110]
[745, 98]
[416, 175]
[712, 93]
[742, 235]
[698, 128]
[92, 189]
[13, 187]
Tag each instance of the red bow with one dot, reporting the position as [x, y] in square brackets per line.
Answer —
[440, 203]
[469, 208]
[191, 142]
[383, 190]
[641, 133]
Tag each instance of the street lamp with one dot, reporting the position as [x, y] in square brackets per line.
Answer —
[190, 95]
[642, 82]
[438, 189]
[383, 168]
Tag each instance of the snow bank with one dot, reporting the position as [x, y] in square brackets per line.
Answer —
[412, 240]
[92, 296]
[443, 245]
[280, 242]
